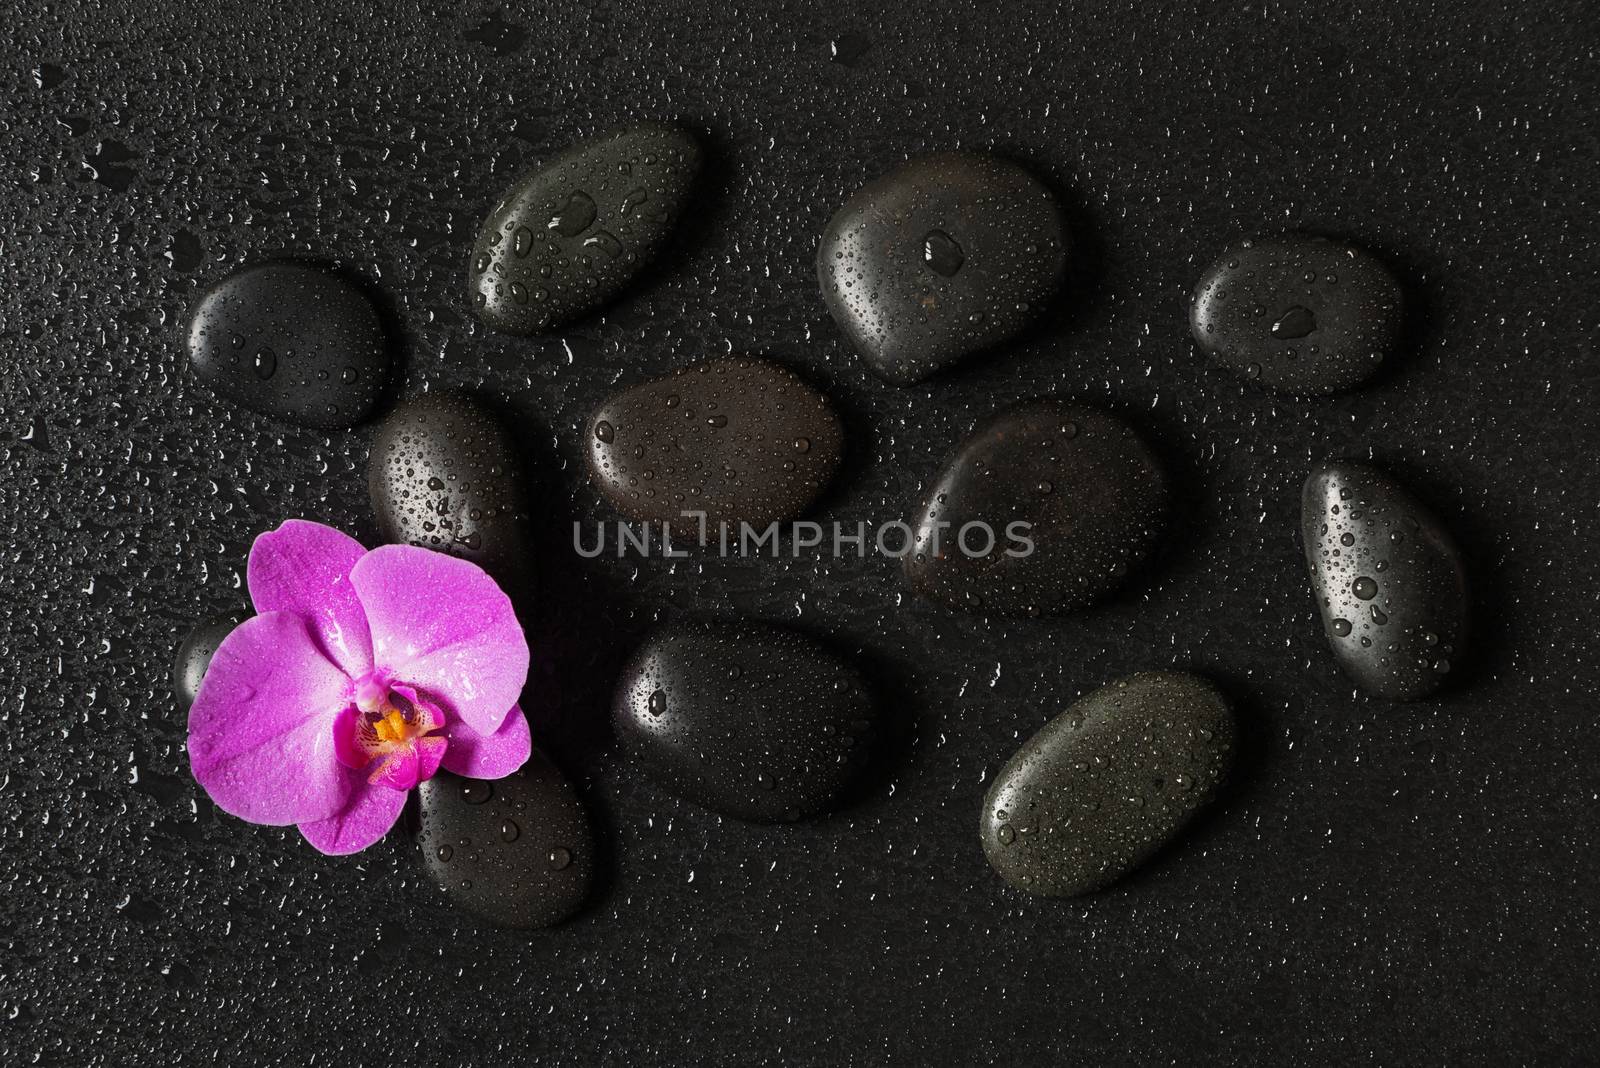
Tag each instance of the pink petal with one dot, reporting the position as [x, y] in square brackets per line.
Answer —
[442, 625]
[261, 727]
[305, 568]
[488, 756]
[370, 813]
[345, 745]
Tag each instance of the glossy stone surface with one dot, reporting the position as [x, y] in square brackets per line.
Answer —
[566, 238]
[947, 255]
[1090, 491]
[738, 439]
[752, 721]
[444, 474]
[516, 851]
[1388, 581]
[1104, 785]
[291, 341]
[194, 656]
[1298, 313]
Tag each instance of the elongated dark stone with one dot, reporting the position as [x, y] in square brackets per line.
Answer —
[515, 851]
[444, 475]
[566, 238]
[755, 722]
[1107, 783]
[1388, 581]
[947, 255]
[737, 439]
[1297, 313]
[1043, 508]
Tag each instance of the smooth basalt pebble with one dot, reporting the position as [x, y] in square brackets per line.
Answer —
[291, 341]
[741, 440]
[444, 475]
[950, 254]
[1107, 783]
[1388, 581]
[1298, 313]
[1091, 492]
[755, 722]
[568, 237]
[194, 657]
[515, 851]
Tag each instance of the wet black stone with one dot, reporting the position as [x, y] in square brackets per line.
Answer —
[194, 656]
[516, 851]
[1298, 313]
[1388, 581]
[752, 721]
[950, 254]
[444, 475]
[1107, 783]
[293, 342]
[567, 238]
[741, 440]
[1092, 491]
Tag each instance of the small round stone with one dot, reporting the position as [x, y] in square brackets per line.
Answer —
[1044, 508]
[755, 722]
[490, 845]
[291, 341]
[948, 254]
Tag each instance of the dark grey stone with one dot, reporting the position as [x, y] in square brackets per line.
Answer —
[291, 341]
[1107, 783]
[444, 474]
[1388, 581]
[194, 657]
[1091, 491]
[566, 238]
[738, 439]
[755, 722]
[1298, 313]
[516, 851]
[947, 255]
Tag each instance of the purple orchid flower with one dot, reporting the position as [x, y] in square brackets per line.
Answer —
[362, 674]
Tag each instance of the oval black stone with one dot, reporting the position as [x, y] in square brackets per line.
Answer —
[1298, 313]
[194, 657]
[1090, 490]
[755, 722]
[738, 439]
[1388, 581]
[951, 253]
[293, 342]
[516, 851]
[1107, 783]
[568, 237]
[444, 475]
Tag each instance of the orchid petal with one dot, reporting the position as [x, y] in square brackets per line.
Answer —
[305, 568]
[488, 756]
[371, 811]
[444, 626]
[261, 738]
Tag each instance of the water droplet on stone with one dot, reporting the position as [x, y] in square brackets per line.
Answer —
[942, 254]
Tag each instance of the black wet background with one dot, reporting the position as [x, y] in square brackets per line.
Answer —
[1383, 884]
